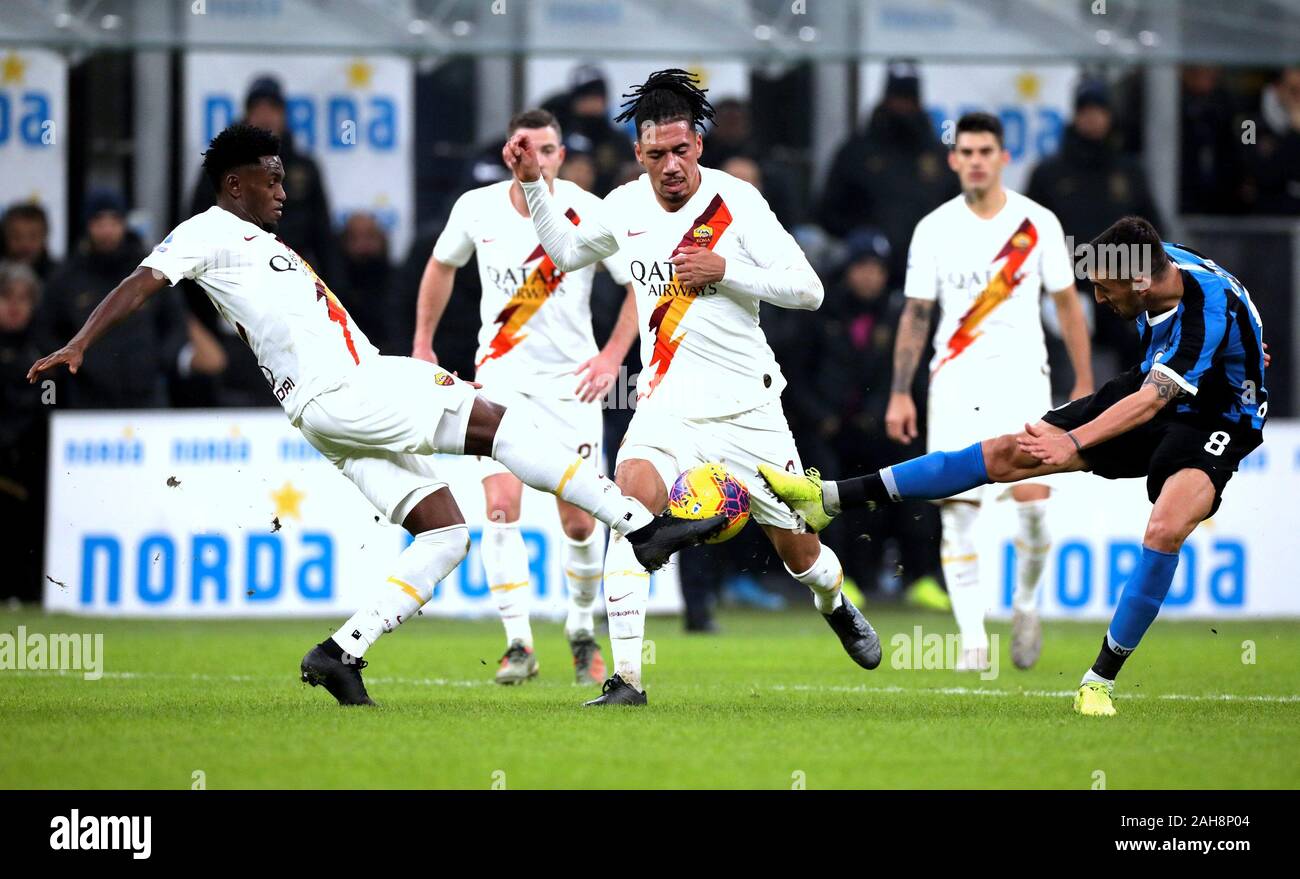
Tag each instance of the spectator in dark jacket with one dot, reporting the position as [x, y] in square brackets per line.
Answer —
[22, 434]
[365, 286]
[1210, 169]
[856, 363]
[1088, 184]
[1275, 159]
[894, 173]
[129, 368]
[583, 113]
[24, 237]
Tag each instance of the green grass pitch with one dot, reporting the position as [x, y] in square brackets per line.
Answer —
[769, 703]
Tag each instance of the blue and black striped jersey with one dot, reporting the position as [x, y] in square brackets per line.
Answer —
[1211, 344]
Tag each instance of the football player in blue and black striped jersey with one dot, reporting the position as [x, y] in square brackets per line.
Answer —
[1184, 418]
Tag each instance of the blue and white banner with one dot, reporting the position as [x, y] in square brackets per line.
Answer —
[233, 513]
[1035, 103]
[353, 115]
[1236, 564]
[34, 135]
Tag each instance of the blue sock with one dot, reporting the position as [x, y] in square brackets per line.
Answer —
[1140, 601]
[936, 475]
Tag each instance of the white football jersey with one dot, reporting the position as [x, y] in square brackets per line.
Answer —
[302, 336]
[703, 354]
[536, 320]
[988, 277]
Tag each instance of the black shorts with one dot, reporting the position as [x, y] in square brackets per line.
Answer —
[1162, 446]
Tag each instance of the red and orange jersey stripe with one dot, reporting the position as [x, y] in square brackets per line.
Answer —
[671, 307]
[530, 297]
[998, 290]
[333, 308]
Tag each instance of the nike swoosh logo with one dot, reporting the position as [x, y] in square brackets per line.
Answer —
[620, 598]
[249, 237]
[487, 241]
[631, 234]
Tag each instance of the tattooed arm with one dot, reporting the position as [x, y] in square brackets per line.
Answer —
[909, 348]
[1139, 407]
[1136, 409]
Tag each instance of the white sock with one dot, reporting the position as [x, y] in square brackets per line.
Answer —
[961, 572]
[1033, 543]
[430, 557]
[1091, 675]
[548, 466]
[627, 591]
[505, 561]
[824, 578]
[583, 567]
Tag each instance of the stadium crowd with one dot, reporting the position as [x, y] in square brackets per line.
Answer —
[855, 226]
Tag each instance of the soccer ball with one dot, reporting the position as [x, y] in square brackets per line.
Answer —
[709, 490]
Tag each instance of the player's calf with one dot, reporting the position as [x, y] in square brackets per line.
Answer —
[1185, 499]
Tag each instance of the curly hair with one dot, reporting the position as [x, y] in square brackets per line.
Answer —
[235, 147]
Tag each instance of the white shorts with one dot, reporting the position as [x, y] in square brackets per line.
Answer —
[738, 442]
[578, 426]
[966, 407]
[381, 426]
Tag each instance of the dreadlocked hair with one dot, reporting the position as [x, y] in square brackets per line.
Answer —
[671, 95]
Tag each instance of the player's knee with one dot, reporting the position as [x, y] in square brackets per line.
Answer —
[1000, 456]
[1165, 533]
[502, 495]
[576, 524]
[502, 514]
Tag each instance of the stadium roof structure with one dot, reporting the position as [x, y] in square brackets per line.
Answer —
[1244, 32]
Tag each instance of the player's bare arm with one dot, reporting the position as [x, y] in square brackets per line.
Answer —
[599, 372]
[1074, 330]
[435, 293]
[1139, 407]
[124, 300]
[909, 348]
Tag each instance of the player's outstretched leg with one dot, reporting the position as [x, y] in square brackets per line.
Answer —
[931, 477]
[1185, 499]
[511, 437]
[336, 662]
[934, 476]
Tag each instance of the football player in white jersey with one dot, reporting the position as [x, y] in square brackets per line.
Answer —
[378, 419]
[535, 345]
[985, 258]
[703, 249]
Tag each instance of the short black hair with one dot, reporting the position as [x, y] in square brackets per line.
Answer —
[979, 121]
[235, 147]
[671, 95]
[1128, 233]
[534, 119]
[25, 210]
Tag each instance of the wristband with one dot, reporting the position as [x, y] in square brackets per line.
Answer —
[1078, 448]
